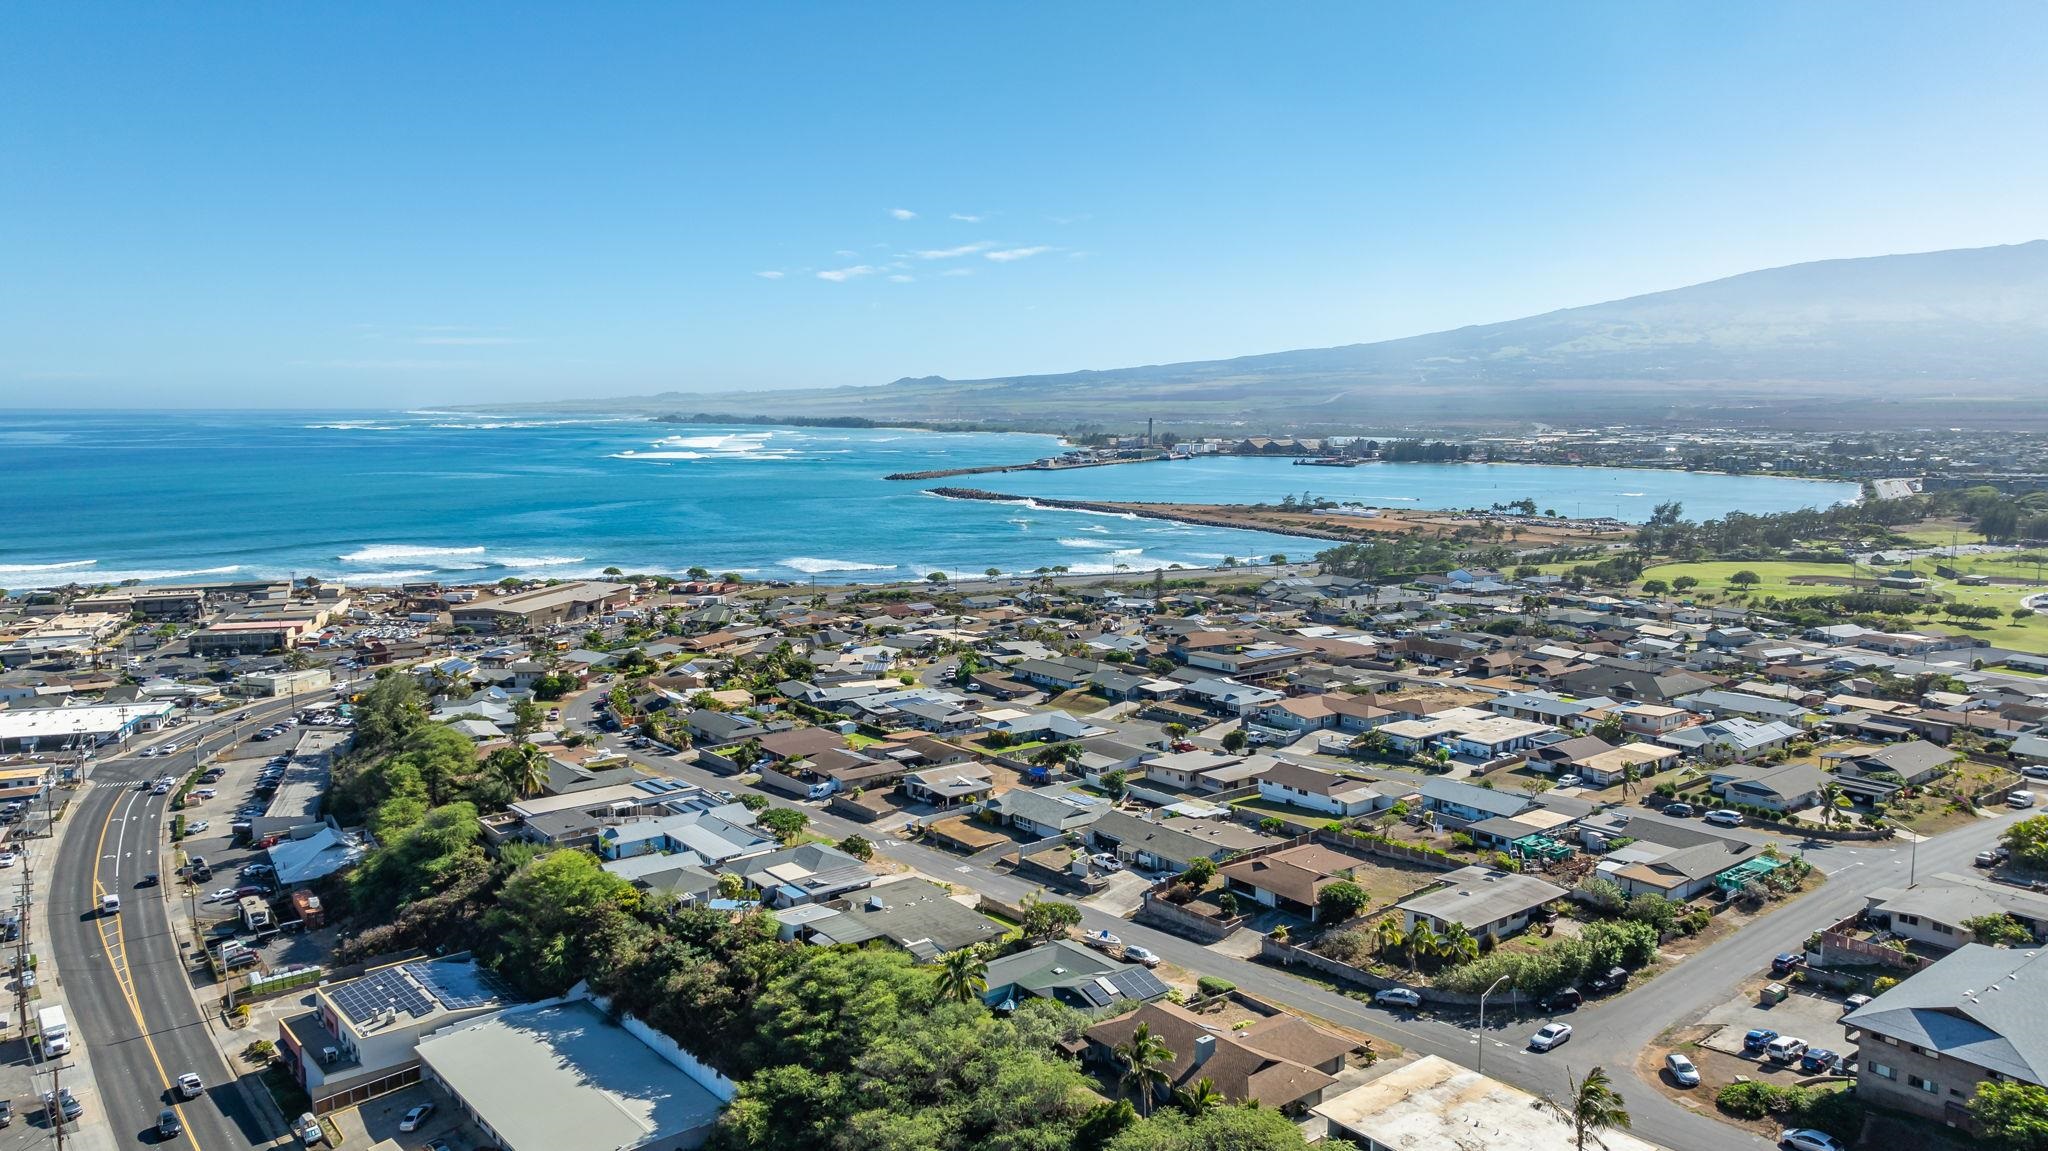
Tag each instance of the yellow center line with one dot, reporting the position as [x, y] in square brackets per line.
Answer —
[125, 981]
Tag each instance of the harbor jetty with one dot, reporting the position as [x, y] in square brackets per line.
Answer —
[1151, 512]
[1054, 464]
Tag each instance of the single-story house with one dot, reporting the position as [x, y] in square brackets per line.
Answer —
[1324, 791]
[1239, 1063]
[1485, 901]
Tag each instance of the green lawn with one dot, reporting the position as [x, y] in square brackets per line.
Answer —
[2028, 635]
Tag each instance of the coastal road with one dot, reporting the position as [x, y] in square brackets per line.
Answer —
[1610, 1033]
[125, 976]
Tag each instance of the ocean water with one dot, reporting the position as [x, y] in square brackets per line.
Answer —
[102, 497]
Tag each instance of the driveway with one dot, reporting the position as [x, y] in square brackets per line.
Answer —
[1808, 1015]
[1122, 895]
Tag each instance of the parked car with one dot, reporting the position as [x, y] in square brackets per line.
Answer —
[415, 1117]
[1682, 1070]
[1551, 1036]
[63, 1103]
[1135, 954]
[1679, 810]
[1992, 858]
[1566, 999]
[6, 1112]
[1854, 1002]
[1818, 1061]
[1785, 1049]
[196, 826]
[1397, 997]
[2020, 799]
[1106, 862]
[1808, 1139]
[9, 858]
[1570, 781]
[1613, 979]
[1757, 1040]
[307, 1128]
[1724, 817]
[2035, 771]
[1786, 961]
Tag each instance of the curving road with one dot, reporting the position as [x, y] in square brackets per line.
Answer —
[125, 976]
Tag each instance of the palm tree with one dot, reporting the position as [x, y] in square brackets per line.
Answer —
[1455, 944]
[1830, 797]
[963, 976]
[1630, 776]
[1423, 943]
[1143, 1055]
[1594, 1106]
[1392, 938]
[524, 766]
[1199, 1096]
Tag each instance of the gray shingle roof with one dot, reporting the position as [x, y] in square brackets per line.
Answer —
[1987, 1006]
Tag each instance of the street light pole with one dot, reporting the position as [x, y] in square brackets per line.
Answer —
[1481, 1068]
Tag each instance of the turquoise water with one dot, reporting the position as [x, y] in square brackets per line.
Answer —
[101, 497]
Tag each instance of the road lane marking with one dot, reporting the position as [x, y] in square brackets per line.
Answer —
[125, 981]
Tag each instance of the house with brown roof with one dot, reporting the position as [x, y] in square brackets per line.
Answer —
[1290, 880]
[1280, 1062]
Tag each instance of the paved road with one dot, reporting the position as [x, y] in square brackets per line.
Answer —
[1610, 1033]
[124, 976]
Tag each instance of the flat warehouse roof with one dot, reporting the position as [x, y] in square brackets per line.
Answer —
[566, 1076]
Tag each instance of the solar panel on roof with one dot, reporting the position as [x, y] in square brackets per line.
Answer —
[476, 987]
[1138, 983]
[370, 997]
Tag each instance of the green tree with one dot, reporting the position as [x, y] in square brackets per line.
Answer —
[787, 823]
[1455, 944]
[1054, 756]
[1340, 901]
[1655, 587]
[1744, 578]
[1246, 1128]
[1999, 930]
[1684, 583]
[2012, 1115]
[962, 976]
[1593, 1106]
[1201, 870]
[1199, 1096]
[527, 717]
[1235, 740]
[523, 767]
[1116, 783]
[1144, 1057]
[858, 846]
[1048, 918]
[2028, 842]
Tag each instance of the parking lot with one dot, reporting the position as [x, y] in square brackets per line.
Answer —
[1813, 1016]
[378, 1120]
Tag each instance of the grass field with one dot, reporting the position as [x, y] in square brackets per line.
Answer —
[2027, 635]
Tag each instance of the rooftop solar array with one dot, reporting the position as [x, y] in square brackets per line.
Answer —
[368, 998]
[460, 986]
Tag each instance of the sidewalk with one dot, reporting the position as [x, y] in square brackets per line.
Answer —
[91, 1131]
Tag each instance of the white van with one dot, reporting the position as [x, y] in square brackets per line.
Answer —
[55, 1030]
[110, 905]
[2020, 799]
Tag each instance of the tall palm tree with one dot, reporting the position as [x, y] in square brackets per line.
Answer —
[1593, 1106]
[1423, 943]
[1830, 798]
[1630, 776]
[1199, 1096]
[963, 976]
[524, 767]
[1144, 1056]
[1392, 938]
[1455, 944]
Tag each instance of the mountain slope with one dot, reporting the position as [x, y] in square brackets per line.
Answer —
[1939, 337]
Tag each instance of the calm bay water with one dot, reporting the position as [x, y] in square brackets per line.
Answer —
[101, 497]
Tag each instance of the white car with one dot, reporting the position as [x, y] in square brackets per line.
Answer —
[1107, 862]
[196, 826]
[1682, 1071]
[9, 858]
[1807, 1139]
[1552, 1036]
[1143, 955]
[190, 1086]
[1397, 997]
[415, 1117]
[1570, 781]
[2020, 799]
[1724, 817]
[221, 896]
[205, 792]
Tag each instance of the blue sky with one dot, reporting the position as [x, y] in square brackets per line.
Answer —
[401, 204]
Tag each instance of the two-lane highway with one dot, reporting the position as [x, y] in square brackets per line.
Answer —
[125, 975]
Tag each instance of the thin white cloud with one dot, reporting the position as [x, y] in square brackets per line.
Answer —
[957, 272]
[841, 275]
[900, 278]
[954, 253]
[769, 275]
[1008, 254]
[846, 253]
[469, 341]
[966, 219]
[902, 214]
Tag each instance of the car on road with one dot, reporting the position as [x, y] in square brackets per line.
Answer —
[1758, 1039]
[9, 858]
[1551, 1036]
[1135, 954]
[110, 904]
[1679, 810]
[168, 1125]
[149, 879]
[1397, 997]
[190, 1086]
[415, 1117]
[1682, 1070]
[2035, 771]
[1808, 1139]
[1724, 817]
